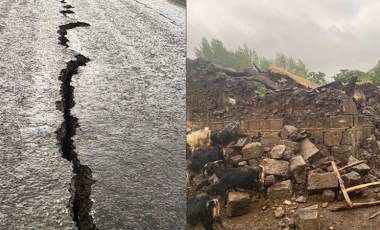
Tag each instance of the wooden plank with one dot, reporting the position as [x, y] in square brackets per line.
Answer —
[341, 184]
[351, 165]
[356, 205]
[361, 186]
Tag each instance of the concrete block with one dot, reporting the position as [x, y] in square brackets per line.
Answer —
[237, 203]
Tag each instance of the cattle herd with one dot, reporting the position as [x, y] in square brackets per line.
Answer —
[205, 155]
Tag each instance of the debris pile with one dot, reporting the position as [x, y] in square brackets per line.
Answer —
[310, 142]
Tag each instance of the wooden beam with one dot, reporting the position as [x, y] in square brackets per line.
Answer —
[355, 205]
[341, 184]
[361, 186]
[351, 165]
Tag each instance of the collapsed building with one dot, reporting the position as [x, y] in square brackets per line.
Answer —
[338, 125]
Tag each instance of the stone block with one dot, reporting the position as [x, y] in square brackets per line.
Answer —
[287, 131]
[308, 149]
[341, 153]
[270, 139]
[236, 159]
[290, 145]
[332, 138]
[342, 121]
[297, 168]
[269, 180]
[264, 124]
[351, 179]
[308, 218]
[277, 151]
[321, 181]
[362, 169]
[276, 167]
[282, 190]
[276, 124]
[328, 196]
[237, 203]
[252, 150]
[348, 138]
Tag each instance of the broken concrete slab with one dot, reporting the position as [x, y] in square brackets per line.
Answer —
[290, 145]
[276, 167]
[237, 203]
[282, 190]
[362, 169]
[287, 131]
[308, 218]
[252, 150]
[277, 151]
[297, 168]
[308, 149]
[320, 181]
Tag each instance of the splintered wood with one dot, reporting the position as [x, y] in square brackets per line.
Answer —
[341, 184]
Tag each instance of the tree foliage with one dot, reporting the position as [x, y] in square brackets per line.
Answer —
[243, 57]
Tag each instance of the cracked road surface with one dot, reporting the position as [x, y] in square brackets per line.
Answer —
[129, 102]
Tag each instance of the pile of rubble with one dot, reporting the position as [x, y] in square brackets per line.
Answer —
[294, 170]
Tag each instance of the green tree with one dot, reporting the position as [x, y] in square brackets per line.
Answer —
[374, 74]
[318, 78]
[345, 75]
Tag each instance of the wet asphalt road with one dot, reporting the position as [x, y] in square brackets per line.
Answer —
[130, 103]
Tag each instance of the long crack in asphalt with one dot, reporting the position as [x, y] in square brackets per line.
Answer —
[80, 187]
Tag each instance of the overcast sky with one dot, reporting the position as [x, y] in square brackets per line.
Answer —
[327, 35]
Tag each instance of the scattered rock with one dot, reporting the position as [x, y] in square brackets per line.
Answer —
[308, 149]
[325, 204]
[301, 199]
[290, 145]
[236, 159]
[252, 150]
[270, 140]
[320, 181]
[287, 202]
[341, 153]
[362, 169]
[269, 180]
[308, 218]
[279, 212]
[352, 178]
[242, 163]
[237, 203]
[282, 190]
[253, 162]
[297, 167]
[276, 167]
[287, 131]
[230, 152]
[277, 151]
[213, 180]
[288, 154]
[328, 196]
